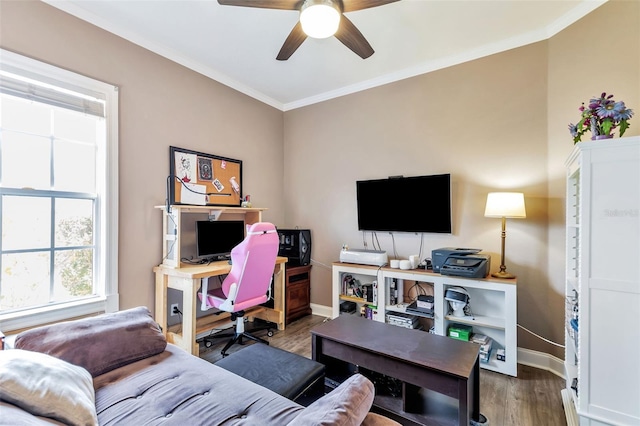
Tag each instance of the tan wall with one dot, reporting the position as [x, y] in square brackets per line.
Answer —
[498, 123]
[463, 120]
[161, 104]
[599, 53]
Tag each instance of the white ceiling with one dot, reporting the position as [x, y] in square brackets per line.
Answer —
[237, 46]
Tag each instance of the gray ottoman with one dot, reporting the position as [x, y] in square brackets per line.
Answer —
[293, 376]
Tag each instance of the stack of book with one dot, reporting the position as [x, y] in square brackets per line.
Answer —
[368, 311]
[485, 343]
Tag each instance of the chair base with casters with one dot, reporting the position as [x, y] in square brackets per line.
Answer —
[238, 334]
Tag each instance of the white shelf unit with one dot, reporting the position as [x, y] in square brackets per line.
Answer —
[365, 275]
[493, 303]
[602, 286]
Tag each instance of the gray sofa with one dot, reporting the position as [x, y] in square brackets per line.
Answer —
[117, 369]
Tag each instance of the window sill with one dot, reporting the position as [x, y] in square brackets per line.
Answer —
[17, 321]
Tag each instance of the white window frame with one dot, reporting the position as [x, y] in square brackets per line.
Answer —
[106, 271]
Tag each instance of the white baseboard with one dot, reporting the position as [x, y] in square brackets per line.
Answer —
[569, 409]
[321, 310]
[542, 361]
[528, 357]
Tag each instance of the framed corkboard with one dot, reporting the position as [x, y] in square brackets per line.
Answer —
[204, 179]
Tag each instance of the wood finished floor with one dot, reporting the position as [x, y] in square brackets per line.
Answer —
[532, 398]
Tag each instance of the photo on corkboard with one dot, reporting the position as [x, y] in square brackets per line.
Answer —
[204, 179]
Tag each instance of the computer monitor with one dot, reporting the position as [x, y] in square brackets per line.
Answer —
[216, 239]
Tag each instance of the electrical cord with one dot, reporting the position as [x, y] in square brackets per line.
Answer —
[179, 312]
[540, 337]
[419, 290]
[173, 243]
[379, 246]
[184, 185]
[205, 261]
[315, 262]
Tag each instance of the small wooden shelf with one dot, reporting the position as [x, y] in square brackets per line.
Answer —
[352, 299]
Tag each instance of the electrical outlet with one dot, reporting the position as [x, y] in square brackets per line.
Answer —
[174, 309]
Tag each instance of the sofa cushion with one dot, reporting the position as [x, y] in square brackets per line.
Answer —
[98, 344]
[346, 405]
[177, 388]
[47, 386]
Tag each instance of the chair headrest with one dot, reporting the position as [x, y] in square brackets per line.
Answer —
[261, 228]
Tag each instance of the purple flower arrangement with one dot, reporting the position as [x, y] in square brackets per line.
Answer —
[601, 117]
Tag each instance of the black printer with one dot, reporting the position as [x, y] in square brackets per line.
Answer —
[462, 262]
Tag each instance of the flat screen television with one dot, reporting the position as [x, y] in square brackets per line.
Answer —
[405, 204]
[215, 239]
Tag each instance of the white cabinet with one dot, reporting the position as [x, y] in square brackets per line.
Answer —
[602, 359]
[493, 304]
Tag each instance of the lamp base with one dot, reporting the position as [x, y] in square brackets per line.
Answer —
[502, 274]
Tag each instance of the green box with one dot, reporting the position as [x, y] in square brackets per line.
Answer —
[460, 331]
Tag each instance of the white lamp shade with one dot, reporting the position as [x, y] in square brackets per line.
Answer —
[505, 204]
[319, 18]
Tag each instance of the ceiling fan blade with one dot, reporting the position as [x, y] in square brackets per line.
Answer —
[264, 4]
[293, 41]
[351, 37]
[352, 5]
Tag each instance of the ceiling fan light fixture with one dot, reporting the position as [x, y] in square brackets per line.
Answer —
[319, 18]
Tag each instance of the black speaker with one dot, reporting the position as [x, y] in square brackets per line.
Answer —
[295, 244]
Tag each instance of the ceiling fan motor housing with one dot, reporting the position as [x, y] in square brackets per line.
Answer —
[320, 18]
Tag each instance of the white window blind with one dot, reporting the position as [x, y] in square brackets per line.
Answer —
[35, 91]
[59, 171]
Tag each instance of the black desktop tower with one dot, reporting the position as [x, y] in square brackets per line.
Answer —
[295, 244]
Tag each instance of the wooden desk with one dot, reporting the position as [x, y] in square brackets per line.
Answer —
[187, 279]
[438, 364]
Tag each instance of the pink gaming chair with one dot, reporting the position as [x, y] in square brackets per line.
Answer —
[248, 282]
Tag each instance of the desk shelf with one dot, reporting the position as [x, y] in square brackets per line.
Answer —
[172, 235]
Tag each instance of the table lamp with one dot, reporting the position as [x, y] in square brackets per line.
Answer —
[504, 205]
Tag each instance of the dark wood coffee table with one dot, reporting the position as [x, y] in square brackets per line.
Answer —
[440, 376]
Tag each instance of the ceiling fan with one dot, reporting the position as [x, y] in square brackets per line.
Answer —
[331, 10]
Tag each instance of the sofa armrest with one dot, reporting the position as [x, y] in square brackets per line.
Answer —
[373, 419]
[101, 343]
[346, 405]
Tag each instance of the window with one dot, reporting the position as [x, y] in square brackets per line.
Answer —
[58, 194]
